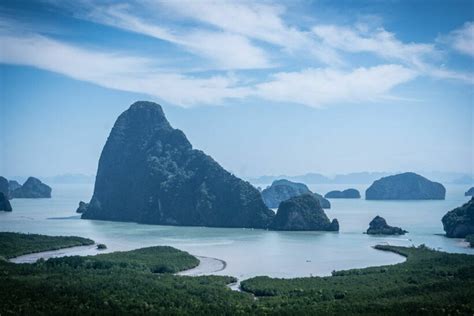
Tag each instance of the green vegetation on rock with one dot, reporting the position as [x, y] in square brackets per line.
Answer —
[428, 283]
[16, 244]
[149, 173]
[459, 222]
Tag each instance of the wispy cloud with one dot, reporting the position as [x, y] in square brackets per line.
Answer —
[359, 39]
[224, 49]
[236, 36]
[462, 39]
[117, 71]
[318, 87]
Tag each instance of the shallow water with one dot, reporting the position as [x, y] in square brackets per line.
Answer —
[251, 252]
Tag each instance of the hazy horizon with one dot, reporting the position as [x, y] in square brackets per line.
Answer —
[268, 88]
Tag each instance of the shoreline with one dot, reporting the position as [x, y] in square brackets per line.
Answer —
[206, 266]
[63, 252]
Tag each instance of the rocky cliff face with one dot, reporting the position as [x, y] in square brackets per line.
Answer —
[379, 226]
[32, 189]
[459, 222]
[302, 212]
[469, 192]
[405, 186]
[346, 194]
[149, 173]
[282, 190]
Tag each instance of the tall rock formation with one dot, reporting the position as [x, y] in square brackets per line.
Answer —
[149, 173]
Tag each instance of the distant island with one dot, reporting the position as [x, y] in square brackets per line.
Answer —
[405, 186]
[379, 226]
[346, 194]
[303, 212]
[33, 188]
[149, 173]
[459, 222]
[282, 189]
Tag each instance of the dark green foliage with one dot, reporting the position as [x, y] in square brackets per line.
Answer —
[378, 226]
[459, 222]
[405, 186]
[149, 173]
[101, 246]
[16, 244]
[428, 283]
[159, 259]
[346, 194]
[302, 212]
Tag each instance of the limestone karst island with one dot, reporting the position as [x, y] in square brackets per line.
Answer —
[254, 157]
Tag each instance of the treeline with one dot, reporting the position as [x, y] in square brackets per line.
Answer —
[428, 283]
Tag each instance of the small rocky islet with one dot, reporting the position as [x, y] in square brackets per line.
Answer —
[405, 186]
[303, 212]
[379, 226]
[5, 205]
[345, 194]
[282, 190]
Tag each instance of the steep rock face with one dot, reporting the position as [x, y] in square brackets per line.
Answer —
[379, 226]
[405, 186]
[4, 187]
[32, 189]
[12, 186]
[282, 190]
[346, 194]
[4, 203]
[459, 222]
[302, 212]
[149, 173]
[469, 192]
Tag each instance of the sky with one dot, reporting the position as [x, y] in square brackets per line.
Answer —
[264, 87]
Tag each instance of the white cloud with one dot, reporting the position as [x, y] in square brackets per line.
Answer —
[318, 87]
[238, 26]
[462, 39]
[378, 41]
[225, 50]
[117, 71]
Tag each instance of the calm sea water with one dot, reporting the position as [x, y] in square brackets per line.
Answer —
[251, 252]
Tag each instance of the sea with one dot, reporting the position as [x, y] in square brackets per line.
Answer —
[255, 252]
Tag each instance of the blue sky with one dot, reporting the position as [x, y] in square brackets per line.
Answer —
[264, 87]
